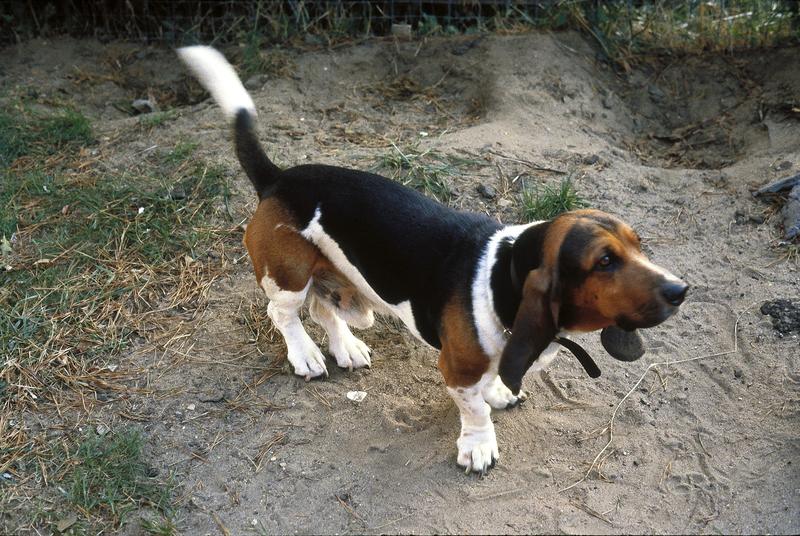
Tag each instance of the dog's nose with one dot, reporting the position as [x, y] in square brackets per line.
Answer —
[674, 292]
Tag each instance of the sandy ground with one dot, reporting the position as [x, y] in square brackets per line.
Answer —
[708, 445]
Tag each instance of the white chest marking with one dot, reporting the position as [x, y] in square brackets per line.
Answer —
[317, 235]
[490, 330]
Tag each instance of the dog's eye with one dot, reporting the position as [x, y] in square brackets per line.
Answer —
[606, 262]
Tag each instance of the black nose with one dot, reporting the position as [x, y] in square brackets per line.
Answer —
[674, 292]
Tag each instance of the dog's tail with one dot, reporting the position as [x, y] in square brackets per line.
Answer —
[218, 77]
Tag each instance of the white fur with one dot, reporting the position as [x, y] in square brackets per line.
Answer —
[497, 395]
[491, 333]
[317, 235]
[219, 78]
[348, 350]
[477, 444]
[284, 306]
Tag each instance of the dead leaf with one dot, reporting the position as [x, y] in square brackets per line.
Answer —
[66, 523]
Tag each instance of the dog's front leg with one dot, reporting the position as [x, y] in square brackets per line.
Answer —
[477, 444]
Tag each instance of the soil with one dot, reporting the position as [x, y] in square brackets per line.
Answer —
[675, 147]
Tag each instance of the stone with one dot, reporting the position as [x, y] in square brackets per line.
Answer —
[486, 191]
[144, 106]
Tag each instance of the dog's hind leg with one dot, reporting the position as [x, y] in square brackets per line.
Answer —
[348, 350]
[284, 262]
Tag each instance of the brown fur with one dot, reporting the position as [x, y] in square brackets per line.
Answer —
[462, 361]
[277, 249]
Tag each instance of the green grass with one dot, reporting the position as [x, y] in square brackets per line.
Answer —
[90, 256]
[109, 476]
[425, 170]
[547, 202]
[156, 119]
[40, 135]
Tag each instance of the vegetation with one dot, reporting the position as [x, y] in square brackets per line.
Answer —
[623, 28]
[90, 256]
[544, 203]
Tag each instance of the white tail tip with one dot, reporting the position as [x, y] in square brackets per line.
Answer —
[218, 77]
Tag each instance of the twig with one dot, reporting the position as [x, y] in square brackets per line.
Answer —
[610, 425]
[528, 163]
[591, 511]
[349, 509]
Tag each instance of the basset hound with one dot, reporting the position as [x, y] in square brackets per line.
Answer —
[493, 299]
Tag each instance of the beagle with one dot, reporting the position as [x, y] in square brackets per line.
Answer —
[492, 298]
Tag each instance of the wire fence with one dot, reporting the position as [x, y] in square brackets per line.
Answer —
[616, 24]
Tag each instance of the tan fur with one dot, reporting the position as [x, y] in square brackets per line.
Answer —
[462, 361]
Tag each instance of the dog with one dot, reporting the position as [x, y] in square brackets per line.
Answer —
[493, 299]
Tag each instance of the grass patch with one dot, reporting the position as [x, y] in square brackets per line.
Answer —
[156, 119]
[547, 202]
[426, 170]
[91, 258]
[109, 476]
[40, 135]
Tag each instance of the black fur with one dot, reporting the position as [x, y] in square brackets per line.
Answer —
[407, 246]
[259, 168]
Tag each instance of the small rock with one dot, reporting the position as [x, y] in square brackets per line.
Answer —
[739, 217]
[487, 191]
[144, 106]
[656, 93]
[213, 396]
[177, 193]
[401, 30]
[191, 407]
[102, 429]
[757, 219]
[591, 159]
[505, 203]
[737, 372]
[356, 396]
[543, 472]
[256, 82]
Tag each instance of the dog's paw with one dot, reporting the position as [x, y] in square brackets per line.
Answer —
[497, 395]
[477, 450]
[350, 352]
[307, 360]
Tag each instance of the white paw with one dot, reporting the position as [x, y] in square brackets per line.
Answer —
[497, 395]
[477, 449]
[307, 359]
[350, 352]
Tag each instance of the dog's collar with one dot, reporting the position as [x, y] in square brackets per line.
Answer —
[578, 351]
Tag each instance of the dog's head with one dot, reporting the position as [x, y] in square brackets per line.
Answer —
[582, 271]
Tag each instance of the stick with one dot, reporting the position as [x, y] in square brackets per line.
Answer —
[610, 425]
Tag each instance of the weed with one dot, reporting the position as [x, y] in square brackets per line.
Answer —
[108, 473]
[40, 135]
[161, 527]
[426, 170]
[549, 201]
[156, 119]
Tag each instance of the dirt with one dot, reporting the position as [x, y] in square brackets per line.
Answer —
[674, 147]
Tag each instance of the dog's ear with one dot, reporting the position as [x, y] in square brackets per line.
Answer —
[535, 326]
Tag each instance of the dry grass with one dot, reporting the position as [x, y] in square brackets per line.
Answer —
[93, 261]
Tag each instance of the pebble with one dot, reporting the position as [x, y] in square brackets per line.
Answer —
[656, 93]
[591, 159]
[356, 396]
[487, 191]
[144, 106]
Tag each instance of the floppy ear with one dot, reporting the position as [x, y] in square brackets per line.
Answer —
[534, 328]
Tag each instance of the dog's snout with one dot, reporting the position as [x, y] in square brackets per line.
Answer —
[674, 292]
